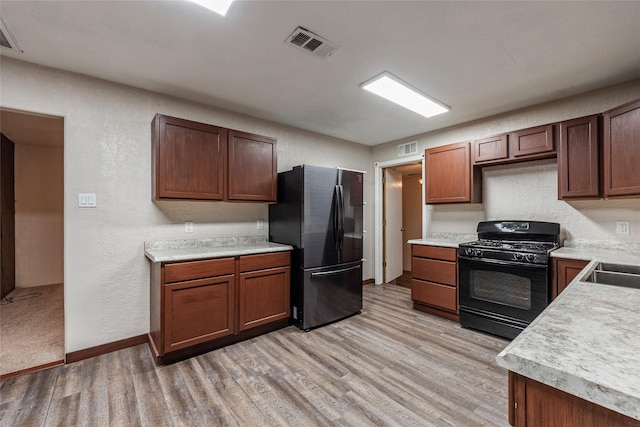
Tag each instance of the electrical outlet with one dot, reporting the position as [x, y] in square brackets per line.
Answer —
[188, 227]
[259, 224]
[622, 227]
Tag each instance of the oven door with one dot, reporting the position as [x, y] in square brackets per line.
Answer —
[505, 291]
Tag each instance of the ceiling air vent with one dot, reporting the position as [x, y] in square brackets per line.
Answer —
[311, 43]
[408, 149]
[7, 40]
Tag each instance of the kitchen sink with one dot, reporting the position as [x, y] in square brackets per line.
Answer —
[616, 274]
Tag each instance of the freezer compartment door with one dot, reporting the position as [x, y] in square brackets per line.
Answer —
[331, 293]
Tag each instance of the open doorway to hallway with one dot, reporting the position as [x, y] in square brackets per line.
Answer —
[402, 219]
[32, 309]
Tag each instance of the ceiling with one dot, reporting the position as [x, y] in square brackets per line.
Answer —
[480, 58]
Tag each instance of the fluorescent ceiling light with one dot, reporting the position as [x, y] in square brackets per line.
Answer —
[395, 90]
[218, 6]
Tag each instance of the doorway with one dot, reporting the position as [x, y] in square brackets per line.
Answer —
[399, 217]
[32, 314]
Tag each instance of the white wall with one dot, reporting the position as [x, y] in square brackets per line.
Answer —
[107, 151]
[529, 190]
[39, 196]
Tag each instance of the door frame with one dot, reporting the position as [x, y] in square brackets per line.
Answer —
[379, 214]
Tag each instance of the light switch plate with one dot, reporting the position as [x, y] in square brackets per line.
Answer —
[188, 226]
[87, 200]
[259, 224]
[622, 227]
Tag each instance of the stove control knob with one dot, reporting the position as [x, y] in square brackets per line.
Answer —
[468, 251]
[479, 252]
[530, 257]
[517, 257]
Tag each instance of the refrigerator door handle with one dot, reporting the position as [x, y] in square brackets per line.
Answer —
[332, 272]
[336, 217]
[341, 218]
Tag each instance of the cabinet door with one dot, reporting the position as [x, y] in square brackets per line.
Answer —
[198, 311]
[532, 141]
[579, 159]
[263, 297]
[490, 149]
[188, 159]
[622, 151]
[564, 271]
[449, 176]
[253, 170]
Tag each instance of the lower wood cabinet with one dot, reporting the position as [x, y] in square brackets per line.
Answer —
[434, 282]
[563, 271]
[264, 293]
[533, 404]
[200, 305]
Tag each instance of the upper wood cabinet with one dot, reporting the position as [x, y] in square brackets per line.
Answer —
[253, 167]
[533, 141]
[188, 159]
[519, 146]
[579, 159]
[450, 177]
[622, 151]
[198, 161]
[491, 149]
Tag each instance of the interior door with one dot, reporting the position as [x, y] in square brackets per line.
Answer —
[7, 217]
[392, 225]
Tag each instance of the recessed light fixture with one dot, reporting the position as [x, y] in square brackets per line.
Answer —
[395, 90]
[218, 6]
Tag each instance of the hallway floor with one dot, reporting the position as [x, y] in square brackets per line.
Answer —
[31, 328]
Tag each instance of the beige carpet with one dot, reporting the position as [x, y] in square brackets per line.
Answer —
[31, 328]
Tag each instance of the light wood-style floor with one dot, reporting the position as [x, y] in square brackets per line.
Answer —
[389, 366]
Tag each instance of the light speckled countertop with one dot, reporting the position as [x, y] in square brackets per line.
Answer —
[447, 240]
[586, 342]
[217, 247]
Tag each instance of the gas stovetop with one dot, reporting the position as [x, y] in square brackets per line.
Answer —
[534, 247]
[517, 241]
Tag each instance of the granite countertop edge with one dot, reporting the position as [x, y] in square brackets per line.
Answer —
[445, 240]
[532, 354]
[198, 253]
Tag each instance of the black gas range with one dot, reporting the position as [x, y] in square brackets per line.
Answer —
[504, 276]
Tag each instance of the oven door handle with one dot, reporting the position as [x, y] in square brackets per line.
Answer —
[502, 262]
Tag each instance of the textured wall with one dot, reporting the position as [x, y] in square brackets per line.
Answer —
[107, 151]
[529, 190]
[39, 195]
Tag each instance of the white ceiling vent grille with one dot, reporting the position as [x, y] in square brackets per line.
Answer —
[408, 149]
[311, 43]
[7, 40]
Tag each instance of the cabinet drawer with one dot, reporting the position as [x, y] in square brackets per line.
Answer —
[434, 270]
[262, 261]
[441, 296]
[448, 254]
[198, 269]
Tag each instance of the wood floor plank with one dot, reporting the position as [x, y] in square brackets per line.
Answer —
[388, 366]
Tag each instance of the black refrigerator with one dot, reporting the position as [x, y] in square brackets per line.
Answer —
[319, 213]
